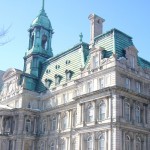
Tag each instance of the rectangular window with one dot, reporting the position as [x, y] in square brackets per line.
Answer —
[89, 86]
[138, 87]
[95, 61]
[132, 61]
[107, 80]
[64, 97]
[101, 83]
[128, 83]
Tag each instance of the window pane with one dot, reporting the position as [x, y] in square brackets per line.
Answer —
[127, 111]
[102, 110]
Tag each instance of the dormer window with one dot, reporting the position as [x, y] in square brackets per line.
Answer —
[95, 61]
[68, 75]
[44, 42]
[57, 79]
[132, 61]
[48, 83]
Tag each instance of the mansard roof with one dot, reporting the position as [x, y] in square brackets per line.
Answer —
[72, 59]
[115, 41]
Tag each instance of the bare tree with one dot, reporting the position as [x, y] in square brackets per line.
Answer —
[3, 36]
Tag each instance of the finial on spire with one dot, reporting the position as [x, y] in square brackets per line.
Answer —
[43, 4]
[81, 36]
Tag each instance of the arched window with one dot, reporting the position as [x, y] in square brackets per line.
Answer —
[102, 111]
[127, 143]
[28, 125]
[52, 146]
[90, 113]
[127, 111]
[53, 124]
[44, 42]
[44, 126]
[137, 114]
[89, 143]
[101, 143]
[138, 143]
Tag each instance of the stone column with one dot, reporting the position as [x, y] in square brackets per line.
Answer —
[48, 124]
[35, 124]
[70, 118]
[0, 144]
[133, 112]
[68, 143]
[123, 140]
[14, 143]
[2, 125]
[94, 107]
[81, 142]
[58, 122]
[19, 144]
[21, 124]
[107, 108]
[33, 145]
[78, 144]
[106, 140]
[79, 111]
[134, 143]
[82, 113]
[110, 107]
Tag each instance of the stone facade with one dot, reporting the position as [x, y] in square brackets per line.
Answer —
[90, 97]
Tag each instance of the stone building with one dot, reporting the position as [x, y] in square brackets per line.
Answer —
[93, 96]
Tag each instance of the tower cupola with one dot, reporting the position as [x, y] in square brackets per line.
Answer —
[39, 49]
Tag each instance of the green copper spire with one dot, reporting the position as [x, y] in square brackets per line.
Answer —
[43, 4]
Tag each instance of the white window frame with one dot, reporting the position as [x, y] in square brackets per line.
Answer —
[101, 82]
[90, 113]
[127, 143]
[102, 116]
[132, 61]
[65, 97]
[100, 140]
[53, 124]
[138, 143]
[28, 125]
[125, 111]
[138, 114]
[89, 86]
[128, 83]
[138, 87]
[89, 143]
[107, 80]
[44, 123]
[95, 61]
[52, 146]
[65, 122]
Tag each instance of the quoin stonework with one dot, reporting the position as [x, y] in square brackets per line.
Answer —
[93, 96]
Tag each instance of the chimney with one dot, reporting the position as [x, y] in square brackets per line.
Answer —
[96, 26]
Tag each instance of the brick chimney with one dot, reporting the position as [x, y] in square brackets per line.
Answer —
[96, 26]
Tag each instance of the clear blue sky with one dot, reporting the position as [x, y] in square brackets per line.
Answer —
[68, 19]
